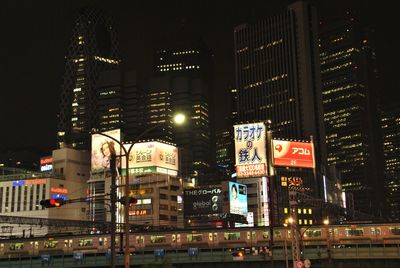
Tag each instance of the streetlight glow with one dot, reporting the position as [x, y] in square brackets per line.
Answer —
[179, 118]
[326, 221]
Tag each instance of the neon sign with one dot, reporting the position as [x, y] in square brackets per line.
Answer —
[59, 190]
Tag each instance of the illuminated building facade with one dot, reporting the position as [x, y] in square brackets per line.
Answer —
[277, 74]
[349, 86]
[390, 123]
[21, 192]
[120, 103]
[225, 153]
[92, 49]
[182, 83]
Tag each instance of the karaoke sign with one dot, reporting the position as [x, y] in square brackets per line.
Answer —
[250, 153]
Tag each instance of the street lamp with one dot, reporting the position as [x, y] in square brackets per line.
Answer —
[178, 119]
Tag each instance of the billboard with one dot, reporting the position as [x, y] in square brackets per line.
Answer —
[102, 148]
[250, 152]
[202, 201]
[293, 154]
[237, 198]
[46, 163]
[153, 157]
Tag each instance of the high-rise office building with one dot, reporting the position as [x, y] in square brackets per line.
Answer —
[183, 83]
[390, 123]
[277, 74]
[92, 49]
[349, 86]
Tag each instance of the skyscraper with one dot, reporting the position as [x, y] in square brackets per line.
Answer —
[349, 85]
[277, 74]
[183, 83]
[390, 122]
[92, 49]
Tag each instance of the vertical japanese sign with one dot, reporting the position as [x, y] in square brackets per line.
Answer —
[250, 150]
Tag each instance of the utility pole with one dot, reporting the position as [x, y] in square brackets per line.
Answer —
[113, 207]
[293, 202]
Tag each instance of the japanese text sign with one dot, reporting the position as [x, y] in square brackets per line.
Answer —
[293, 154]
[250, 151]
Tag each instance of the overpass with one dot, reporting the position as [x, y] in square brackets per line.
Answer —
[356, 255]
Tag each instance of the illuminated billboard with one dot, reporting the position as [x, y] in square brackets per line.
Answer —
[153, 157]
[103, 147]
[293, 154]
[46, 163]
[202, 201]
[250, 153]
[237, 198]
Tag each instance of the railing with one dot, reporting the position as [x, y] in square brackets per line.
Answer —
[317, 254]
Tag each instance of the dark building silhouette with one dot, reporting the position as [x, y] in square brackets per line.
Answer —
[278, 82]
[183, 83]
[390, 123]
[349, 87]
[92, 49]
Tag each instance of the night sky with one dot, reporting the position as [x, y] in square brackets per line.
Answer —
[35, 36]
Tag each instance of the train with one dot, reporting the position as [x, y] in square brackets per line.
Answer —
[249, 239]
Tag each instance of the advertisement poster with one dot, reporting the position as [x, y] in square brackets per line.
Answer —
[293, 154]
[102, 148]
[153, 157]
[250, 152]
[238, 198]
[202, 201]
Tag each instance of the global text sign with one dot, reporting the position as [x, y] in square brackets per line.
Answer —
[250, 154]
[293, 154]
[202, 201]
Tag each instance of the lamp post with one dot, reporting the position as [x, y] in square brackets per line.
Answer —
[328, 242]
[179, 119]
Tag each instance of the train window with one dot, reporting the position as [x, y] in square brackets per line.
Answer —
[105, 241]
[178, 238]
[85, 242]
[265, 235]
[354, 231]
[232, 236]
[157, 239]
[139, 239]
[173, 238]
[375, 231]
[394, 230]
[277, 234]
[100, 241]
[210, 236]
[35, 244]
[67, 243]
[289, 234]
[313, 233]
[50, 244]
[194, 237]
[16, 246]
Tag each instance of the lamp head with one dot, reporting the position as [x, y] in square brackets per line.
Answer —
[179, 118]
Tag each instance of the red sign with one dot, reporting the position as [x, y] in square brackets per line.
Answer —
[46, 160]
[35, 181]
[293, 154]
[59, 190]
[251, 170]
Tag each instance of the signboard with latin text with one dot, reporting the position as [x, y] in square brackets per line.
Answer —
[202, 201]
[250, 151]
[293, 154]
